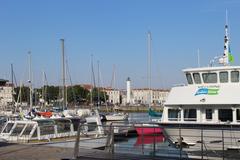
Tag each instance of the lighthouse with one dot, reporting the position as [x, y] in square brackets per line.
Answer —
[128, 90]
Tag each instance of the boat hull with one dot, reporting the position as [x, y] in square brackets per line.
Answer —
[116, 117]
[148, 130]
[214, 137]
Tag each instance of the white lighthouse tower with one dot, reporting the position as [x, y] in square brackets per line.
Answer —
[128, 90]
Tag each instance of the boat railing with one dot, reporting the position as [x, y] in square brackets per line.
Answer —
[174, 119]
[190, 119]
[122, 137]
[205, 142]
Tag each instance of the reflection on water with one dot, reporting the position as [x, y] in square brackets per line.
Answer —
[149, 139]
[146, 145]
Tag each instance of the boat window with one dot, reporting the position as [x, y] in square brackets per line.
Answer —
[63, 126]
[174, 114]
[8, 128]
[209, 77]
[238, 115]
[18, 129]
[189, 78]
[27, 130]
[190, 114]
[234, 76]
[197, 78]
[223, 76]
[45, 122]
[35, 133]
[208, 114]
[45, 130]
[225, 115]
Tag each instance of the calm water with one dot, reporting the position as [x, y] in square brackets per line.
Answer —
[146, 145]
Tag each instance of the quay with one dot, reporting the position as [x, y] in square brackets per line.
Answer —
[39, 152]
[127, 109]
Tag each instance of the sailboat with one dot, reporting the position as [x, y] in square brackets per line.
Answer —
[149, 128]
[95, 118]
[116, 116]
[42, 130]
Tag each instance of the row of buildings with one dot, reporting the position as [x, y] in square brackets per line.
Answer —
[141, 96]
[137, 96]
[126, 96]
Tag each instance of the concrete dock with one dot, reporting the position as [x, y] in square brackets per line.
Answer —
[39, 152]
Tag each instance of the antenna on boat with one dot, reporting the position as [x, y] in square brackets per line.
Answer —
[198, 57]
[225, 58]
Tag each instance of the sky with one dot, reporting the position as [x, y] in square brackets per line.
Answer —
[115, 33]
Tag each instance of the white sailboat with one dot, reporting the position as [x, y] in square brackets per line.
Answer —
[45, 129]
[116, 116]
[149, 128]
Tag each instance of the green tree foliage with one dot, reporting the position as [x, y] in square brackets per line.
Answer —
[24, 96]
[77, 94]
[52, 93]
[102, 96]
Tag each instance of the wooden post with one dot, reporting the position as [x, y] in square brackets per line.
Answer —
[223, 144]
[76, 147]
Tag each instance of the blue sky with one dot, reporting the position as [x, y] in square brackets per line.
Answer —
[115, 32]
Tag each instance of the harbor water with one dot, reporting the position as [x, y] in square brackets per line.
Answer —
[154, 145]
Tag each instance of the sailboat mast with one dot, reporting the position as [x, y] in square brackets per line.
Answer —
[63, 76]
[93, 84]
[149, 67]
[43, 88]
[30, 79]
[12, 84]
[98, 91]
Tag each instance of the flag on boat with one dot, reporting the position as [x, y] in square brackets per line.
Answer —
[230, 56]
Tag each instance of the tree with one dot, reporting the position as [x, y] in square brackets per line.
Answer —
[24, 95]
[102, 96]
[77, 94]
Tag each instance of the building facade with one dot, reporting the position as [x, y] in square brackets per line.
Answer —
[6, 95]
[113, 96]
[152, 96]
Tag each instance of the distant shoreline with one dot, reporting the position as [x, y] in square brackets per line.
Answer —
[127, 109]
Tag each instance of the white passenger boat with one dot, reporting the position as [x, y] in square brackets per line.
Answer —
[207, 109]
[41, 130]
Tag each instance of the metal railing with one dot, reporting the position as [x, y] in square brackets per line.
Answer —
[177, 143]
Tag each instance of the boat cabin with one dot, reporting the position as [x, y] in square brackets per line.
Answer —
[212, 75]
[210, 96]
[38, 130]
